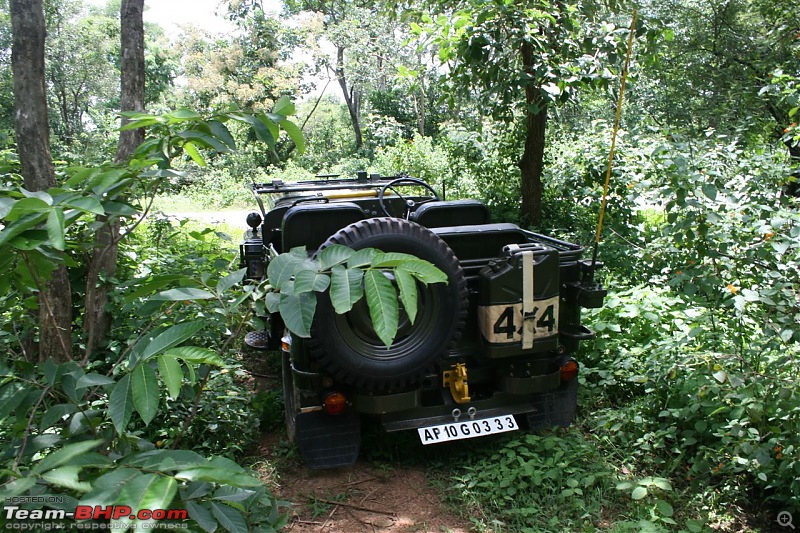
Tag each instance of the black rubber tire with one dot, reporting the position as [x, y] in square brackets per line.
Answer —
[346, 345]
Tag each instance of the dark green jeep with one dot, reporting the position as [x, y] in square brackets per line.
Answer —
[490, 351]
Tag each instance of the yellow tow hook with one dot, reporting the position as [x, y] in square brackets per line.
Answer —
[456, 379]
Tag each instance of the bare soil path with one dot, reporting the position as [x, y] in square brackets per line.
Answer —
[366, 497]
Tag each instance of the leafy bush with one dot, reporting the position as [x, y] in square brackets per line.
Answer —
[218, 188]
[705, 365]
[539, 483]
[421, 158]
[225, 421]
[79, 429]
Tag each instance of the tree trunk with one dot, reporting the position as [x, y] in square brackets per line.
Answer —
[132, 70]
[351, 98]
[531, 164]
[103, 263]
[33, 145]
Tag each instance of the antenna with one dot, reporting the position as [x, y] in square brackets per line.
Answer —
[613, 144]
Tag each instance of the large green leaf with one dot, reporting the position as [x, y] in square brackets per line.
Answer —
[41, 195]
[230, 280]
[262, 131]
[11, 396]
[105, 181]
[382, 302]
[93, 380]
[203, 139]
[362, 257]
[295, 134]
[30, 240]
[229, 518]
[346, 288]
[194, 153]
[221, 474]
[424, 271]
[171, 374]
[196, 489]
[282, 269]
[391, 259]
[65, 455]
[67, 477]
[710, 191]
[196, 355]
[146, 396]
[20, 226]
[297, 312]
[5, 206]
[106, 488]
[25, 207]
[408, 292]
[150, 491]
[87, 203]
[183, 293]
[17, 487]
[273, 302]
[55, 229]
[165, 340]
[271, 122]
[309, 280]
[333, 255]
[284, 106]
[182, 114]
[201, 515]
[221, 132]
[120, 403]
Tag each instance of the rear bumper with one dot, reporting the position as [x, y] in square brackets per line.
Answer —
[540, 411]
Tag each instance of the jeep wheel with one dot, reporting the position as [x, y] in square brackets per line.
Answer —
[347, 345]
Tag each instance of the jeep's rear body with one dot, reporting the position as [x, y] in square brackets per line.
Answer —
[513, 359]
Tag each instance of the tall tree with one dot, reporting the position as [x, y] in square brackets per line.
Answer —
[251, 69]
[33, 145]
[81, 68]
[103, 263]
[519, 59]
[364, 49]
[720, 70]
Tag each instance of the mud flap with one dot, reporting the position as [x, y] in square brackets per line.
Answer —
[327, 441]
[554, 409]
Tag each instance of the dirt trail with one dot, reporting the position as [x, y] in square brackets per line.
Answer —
[362, 498]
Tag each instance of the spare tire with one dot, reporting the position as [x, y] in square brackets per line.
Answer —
[347, 345]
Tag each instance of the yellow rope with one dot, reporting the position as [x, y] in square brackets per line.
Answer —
[616, 128]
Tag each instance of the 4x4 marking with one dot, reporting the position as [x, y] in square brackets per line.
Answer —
[546, 320]
[498, 323]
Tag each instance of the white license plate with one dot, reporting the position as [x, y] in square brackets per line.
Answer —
[467, 429]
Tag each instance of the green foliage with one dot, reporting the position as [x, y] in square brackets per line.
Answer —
[539, 483]
[423, 158]
[482, 43]
[74, 433]
[714, 71]
[225, 421]
[698, 369]
[85, 428]
[294, 278]
[688, 404]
